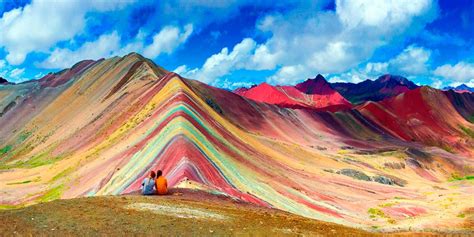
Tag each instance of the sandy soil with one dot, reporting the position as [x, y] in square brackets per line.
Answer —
[183, 213]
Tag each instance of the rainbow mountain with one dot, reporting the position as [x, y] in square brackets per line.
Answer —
[98, 128]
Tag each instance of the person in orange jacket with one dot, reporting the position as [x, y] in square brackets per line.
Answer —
[161, 183]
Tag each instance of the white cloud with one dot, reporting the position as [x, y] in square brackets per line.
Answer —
[231, 85]
[329, 42]
[104, 46]
[304, 41]
[334, 79]
[108, 45]
[181, 69]
[39, 75]
[436, 84]
[222, 63]
[353, 75]
[381, 14]
[289, 75]
[41, 24]
[17, 73]
[412, 61]
[376, 68]
[167, 40]
[469, 83]
[461, 72]
[2, 64]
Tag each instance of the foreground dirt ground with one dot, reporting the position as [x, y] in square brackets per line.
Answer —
[183, 213]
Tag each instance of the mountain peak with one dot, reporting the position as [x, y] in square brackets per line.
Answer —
[134, 55]
[395, 79]
[460, 88]
[318, 85]
[320, 77]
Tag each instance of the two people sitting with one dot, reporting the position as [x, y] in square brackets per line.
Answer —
[155, 183]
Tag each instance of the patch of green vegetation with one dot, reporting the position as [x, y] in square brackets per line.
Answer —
[5, 149]
[471, 118]
[447, 148]
[398, 198]
[467, 131]
[23, 136]
[456, 177]
[62, 174]
[7, 207]
[461, 215]
[375, 212]
[390, 204]
[52, 194]
[21, 182]
[26, 181]
[42, 159]
[374, 227]
[343, 152]
[396, 154]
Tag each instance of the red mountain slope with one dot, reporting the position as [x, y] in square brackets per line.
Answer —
[313, 93]
[425, 115]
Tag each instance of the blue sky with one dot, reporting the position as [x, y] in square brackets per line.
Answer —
[241, 42]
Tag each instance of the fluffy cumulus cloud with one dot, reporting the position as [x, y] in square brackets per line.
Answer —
[305, 41]
[461, 72]
[289, 74]
[412, 61]
[41, 24]
[103, 47]
[108, 45]
[222, 63]
[336, 42]
[11, 73]
[167, 40]
[381, 14]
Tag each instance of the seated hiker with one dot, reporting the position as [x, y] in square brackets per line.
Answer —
[161, 183]
[148, 184]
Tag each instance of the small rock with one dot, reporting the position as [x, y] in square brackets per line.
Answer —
[383, 180]
[354, 174]
[321, 148]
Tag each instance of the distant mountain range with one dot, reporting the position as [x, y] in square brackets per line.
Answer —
[384, 87]
[460, 88]
[314, 93]
[317, 93]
